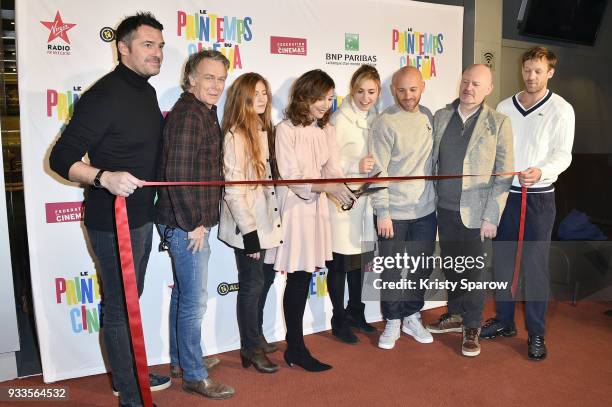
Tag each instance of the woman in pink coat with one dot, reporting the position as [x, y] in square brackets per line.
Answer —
[306, 148]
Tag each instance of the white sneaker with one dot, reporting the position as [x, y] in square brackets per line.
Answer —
[413, 326]
[390, 334]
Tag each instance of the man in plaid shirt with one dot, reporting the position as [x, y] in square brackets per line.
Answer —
[185, 214]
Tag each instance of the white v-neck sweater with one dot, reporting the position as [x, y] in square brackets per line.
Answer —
[543, 135]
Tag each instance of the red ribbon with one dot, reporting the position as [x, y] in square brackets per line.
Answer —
[519, 243]
[131, 299]
[318, 180]
[127, 259]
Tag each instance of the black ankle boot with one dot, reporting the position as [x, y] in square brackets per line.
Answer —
[341, 329]
[304, 359]
[356, 319]
[258, 359]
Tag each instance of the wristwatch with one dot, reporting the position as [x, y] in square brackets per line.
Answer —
[96, 181]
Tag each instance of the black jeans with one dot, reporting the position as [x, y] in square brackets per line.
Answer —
[535, 273]
[416, 237]
[294, 305]
[114, 315]
[255, 278]
[458, 241]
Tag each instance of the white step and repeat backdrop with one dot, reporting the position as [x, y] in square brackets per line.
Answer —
[64, 46]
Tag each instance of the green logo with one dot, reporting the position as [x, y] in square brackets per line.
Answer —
[351, 42]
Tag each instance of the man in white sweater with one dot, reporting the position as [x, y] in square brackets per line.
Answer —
[543, 128]
[401, 144]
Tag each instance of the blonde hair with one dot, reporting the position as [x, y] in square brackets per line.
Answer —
[363, 73]
[538, 53]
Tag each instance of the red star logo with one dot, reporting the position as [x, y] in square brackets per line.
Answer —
[58, 28]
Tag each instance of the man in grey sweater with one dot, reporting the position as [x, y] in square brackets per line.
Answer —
[470, 139]
[401, 143]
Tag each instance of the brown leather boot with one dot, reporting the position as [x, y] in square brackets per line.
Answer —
[470, 345]
[209, 388]
[265, 346]
[258, 359]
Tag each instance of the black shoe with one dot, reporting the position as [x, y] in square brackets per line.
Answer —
[304, 359]
[356, 319]
[536, 347]
[493, 328]
[258, 359]
[267, 347]
[342, 330]
[156, 383]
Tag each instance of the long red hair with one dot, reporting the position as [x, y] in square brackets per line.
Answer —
[240, 116]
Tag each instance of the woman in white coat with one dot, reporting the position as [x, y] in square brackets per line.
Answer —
[250, 219]
[353, 230]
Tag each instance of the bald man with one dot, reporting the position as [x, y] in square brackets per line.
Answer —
[401, 143]
[469, 138]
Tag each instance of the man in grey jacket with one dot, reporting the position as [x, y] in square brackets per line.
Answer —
[469, 139]
[401, 144]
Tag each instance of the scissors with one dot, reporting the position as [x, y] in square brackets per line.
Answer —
[364, 189]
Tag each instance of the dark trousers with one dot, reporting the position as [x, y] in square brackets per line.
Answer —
[255, 278]
[416, 237]
[294, 305]
[535, 275]
[345, 268]
[458, 241]
[114, 315]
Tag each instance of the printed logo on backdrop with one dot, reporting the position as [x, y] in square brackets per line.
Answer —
[80, 298]
[318, 284]
[337, 102]
[206, 29]
[107, 34]
[60, 212]
[60, 103]
[58, 42]
[225, 288]
[351, 42]
[288, 46]
[418, 49]
[349, 56]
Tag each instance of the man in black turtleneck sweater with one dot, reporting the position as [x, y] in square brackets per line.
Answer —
[119, 125]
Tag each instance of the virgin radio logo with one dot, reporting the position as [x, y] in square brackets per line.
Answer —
[58, 42]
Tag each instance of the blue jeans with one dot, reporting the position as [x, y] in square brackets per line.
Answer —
[416, 237]
[115, 328]
[187, 303]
